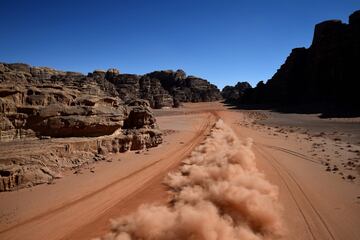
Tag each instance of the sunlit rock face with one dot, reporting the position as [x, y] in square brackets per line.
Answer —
[53, 120]
[68, 119]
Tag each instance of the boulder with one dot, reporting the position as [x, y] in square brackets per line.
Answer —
[111, 73]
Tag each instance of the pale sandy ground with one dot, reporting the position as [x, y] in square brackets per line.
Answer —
[318, 204]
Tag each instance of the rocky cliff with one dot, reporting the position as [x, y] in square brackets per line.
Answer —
[51, 120]
[164, 88]
[327, 72]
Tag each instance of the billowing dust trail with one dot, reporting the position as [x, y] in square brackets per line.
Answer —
[218, 193]
[80, 208]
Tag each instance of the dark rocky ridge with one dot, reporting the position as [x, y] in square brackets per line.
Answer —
[164, 88]
[325, 75]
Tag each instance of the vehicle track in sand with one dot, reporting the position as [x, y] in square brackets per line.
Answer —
[291, 152]
[314, 222]
[61, 221]
[97, 225]
[308, 214]
[317, 226]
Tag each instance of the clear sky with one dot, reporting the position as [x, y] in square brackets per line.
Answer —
[223, 41]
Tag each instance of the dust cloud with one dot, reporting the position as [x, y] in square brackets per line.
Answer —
[218, 193]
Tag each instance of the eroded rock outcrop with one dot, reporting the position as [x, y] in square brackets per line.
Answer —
[165, 88]
[232, 94]
[186, 88]
[53, 120]
[81, 116]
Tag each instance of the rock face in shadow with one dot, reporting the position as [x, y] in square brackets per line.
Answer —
[232, 94]
[186, 88]
[326, 73]
[165, 88]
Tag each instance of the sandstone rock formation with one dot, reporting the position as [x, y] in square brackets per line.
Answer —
[77, 116]
[54, 120]
[186, 88]
[97, 113]
[326, 73]
[165, 88]
[232, 94]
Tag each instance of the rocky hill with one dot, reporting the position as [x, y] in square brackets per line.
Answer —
[327, 73]
[53, 120]
[232, 94]
[161, 88]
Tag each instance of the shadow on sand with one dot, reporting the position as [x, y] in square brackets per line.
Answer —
[325, 110]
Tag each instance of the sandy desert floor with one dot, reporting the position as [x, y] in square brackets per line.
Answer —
[314, 162]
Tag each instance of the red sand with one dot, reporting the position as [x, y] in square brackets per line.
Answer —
[317, 204]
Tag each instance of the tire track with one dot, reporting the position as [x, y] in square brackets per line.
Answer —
[278, 167]
[288, 151]
[315, 223]
[81, 233]
[183, 152]
[289, 190]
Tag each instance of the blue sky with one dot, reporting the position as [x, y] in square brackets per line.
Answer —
[223, 41]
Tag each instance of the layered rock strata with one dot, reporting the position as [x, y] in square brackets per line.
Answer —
[52, 121]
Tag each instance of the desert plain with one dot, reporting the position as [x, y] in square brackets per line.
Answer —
[312, 162]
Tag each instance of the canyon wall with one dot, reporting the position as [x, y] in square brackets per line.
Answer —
[326, 73]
